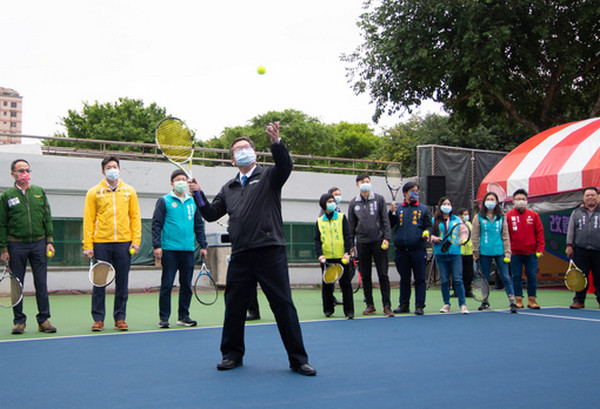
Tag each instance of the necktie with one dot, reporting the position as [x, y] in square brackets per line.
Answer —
[244, 178]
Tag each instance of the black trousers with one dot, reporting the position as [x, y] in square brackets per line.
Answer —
[267, 266]
[36, 254]
[118, 255]
[367, 253]
[587, 260]
[345, 285]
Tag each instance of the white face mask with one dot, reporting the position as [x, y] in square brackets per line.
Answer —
[338, 199]
[521, 204]
[180, 186]
[490, 205]
[465, 218]
[112, 174]
[365, 187]
[446, 209]
[245, 157]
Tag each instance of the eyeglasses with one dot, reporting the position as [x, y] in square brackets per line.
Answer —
[239, 148]
[23, 171]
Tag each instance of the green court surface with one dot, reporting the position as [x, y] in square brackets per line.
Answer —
[71, 312]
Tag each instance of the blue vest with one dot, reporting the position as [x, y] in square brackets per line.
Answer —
[178, 229]
[490, 239]
[453, 249]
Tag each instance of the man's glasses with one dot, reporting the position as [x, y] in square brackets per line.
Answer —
[23, 171]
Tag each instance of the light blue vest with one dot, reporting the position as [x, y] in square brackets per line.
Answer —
[490, 240]
[178, 228]
[453, 249]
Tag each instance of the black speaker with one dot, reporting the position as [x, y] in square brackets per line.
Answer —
[436, 188]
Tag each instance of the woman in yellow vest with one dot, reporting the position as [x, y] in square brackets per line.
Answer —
[466, 250]
[332, 245]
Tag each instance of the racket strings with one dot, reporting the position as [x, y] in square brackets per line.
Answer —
[175, 140]
[102, 274]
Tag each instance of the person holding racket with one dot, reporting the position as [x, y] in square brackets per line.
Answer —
[412, 223]
[112, 232]
[370, 228]
[175, 224]
[252, 199]
[583, 242]
[27, 233]
[491, 242]
[332, 245]
[449, 233]
[526, 245]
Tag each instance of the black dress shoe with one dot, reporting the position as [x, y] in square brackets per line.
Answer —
[252, 317]
[304, 369]
[350, 316]
[227, 363]
[402, 308]
[419, 311]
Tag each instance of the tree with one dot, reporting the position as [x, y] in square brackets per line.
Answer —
[127, 120]
[535, 63]
[354, 140]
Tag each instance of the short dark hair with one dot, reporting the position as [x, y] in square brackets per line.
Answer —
[236, 140]
[408, 185]
[14, 162]
[362, 176]
[111, 158]
[594, 188]
[176, 173]
[323, 200]
[462, 210]
[520, 192]
[333, 189]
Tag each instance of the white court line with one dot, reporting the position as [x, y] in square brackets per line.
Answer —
[564, 317]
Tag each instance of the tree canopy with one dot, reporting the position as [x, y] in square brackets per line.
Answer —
[534, 63]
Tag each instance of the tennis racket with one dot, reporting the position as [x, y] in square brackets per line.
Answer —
[332, 272]
[481, 286]
[101, 274]
[575, 280]
[499, 191]
[393, 178]
[176, 142]
[11, 289]
[353, 269]
[459, 234]
[205, 288]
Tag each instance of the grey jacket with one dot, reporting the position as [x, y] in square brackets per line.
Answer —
[368, 219]
[584, 229]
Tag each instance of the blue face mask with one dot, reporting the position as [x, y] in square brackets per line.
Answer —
[112, 174]
[365, 187]
[414, 196]
[331, 207]
[338, 199]
[245, 157]
[490, 205]
[446, 209]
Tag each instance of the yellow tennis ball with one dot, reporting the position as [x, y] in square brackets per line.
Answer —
[261, 69]
[49, 254]
[425, 233]
[507, 259]
[384, 246]
[131, 251]
[538, 254]
[344, 261]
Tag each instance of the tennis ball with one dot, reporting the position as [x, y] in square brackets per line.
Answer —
[344, 261]
[131, 251]
[384, 246]
[425, 233]
[261, 69]
[49, 254]
[538, 254]
[507, 260]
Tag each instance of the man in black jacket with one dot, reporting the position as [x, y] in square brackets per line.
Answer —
[253, 202]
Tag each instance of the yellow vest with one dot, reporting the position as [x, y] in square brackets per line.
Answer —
[332, 235]
[467, 248]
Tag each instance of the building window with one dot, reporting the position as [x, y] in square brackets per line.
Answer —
[13, 104]
[13, 124]
[5, 103]
[13, 114]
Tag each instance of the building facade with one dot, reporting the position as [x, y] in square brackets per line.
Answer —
[11, 110]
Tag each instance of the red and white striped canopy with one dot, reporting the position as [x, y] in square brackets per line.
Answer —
[561, 159]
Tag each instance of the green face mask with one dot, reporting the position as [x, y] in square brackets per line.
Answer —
[180, 186]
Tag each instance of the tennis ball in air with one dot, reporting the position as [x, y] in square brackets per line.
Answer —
[261, 69]
[507, 260]
[131, 251]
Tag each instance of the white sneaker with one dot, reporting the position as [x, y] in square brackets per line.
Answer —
[445, 308]
[463, 309]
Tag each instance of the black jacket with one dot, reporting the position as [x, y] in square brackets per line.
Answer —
[255, 209]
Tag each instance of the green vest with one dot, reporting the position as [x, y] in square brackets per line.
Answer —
[332, 235]
[467, 248]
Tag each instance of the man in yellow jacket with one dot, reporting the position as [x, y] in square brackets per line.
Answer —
[112, 231]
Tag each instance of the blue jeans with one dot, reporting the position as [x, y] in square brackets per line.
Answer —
[451, 264]
[118, 255]
[485, 262]
[171, 262]
[530, 262]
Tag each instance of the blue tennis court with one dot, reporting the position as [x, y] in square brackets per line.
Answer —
[534, 359]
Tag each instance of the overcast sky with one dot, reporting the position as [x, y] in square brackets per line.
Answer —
[197, 59]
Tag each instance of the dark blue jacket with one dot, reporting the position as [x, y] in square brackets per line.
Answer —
[409, 222]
